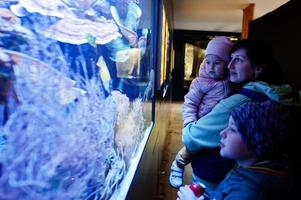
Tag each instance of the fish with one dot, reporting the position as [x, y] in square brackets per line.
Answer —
[128, 26]
[91, 39]
[104, 74]
[18, 10]
[27, 66]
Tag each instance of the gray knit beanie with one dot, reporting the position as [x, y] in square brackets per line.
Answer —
[263, 127]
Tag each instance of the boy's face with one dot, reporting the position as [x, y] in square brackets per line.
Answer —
[215, 67]
[232, 145]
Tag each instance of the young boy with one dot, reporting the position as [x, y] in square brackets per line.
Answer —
[205, 92]
[257, 139]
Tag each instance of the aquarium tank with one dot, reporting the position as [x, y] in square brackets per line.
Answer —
[76, 99]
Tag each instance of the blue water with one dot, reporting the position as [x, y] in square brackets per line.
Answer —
[58, 120]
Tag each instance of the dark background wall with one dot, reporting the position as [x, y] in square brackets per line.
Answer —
[281, 28]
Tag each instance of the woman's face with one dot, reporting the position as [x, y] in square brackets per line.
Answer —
[240, 67]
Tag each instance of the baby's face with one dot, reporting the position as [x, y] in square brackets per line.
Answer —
[215, 67]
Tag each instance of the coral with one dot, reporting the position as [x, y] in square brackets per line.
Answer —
[54, 151]
[130, 124]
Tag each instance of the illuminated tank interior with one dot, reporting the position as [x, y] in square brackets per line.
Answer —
[74, 88]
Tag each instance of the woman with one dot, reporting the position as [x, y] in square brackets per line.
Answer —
[251, 67]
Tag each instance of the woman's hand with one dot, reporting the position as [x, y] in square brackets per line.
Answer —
[185, 193]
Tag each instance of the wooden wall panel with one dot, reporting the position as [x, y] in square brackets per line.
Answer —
[248, 15]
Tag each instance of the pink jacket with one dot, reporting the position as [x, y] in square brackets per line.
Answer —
[204, 93]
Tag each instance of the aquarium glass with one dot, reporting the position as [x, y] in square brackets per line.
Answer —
[76, 99]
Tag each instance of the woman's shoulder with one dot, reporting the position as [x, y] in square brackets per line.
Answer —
[233, 101]
[262, 86]
[259, 87]
[239, 98]
[280, 93]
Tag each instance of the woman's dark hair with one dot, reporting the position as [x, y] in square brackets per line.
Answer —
[260, 54]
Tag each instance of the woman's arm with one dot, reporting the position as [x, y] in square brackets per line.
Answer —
[205, 131]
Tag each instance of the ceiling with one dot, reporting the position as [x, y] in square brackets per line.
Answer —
[217, 15]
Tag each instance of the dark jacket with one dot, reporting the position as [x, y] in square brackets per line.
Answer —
[266, 180]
